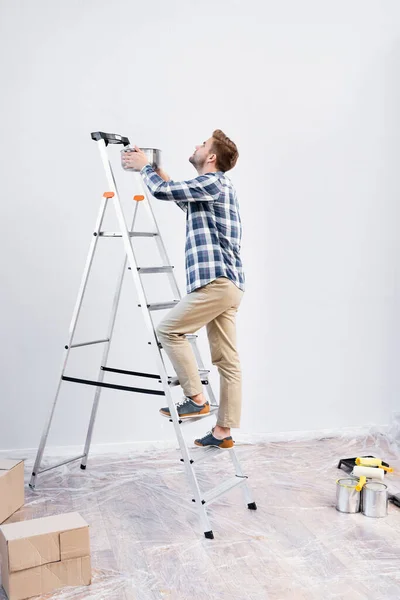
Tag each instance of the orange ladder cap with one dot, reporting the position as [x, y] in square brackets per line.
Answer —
[138, 198]
[108, 194]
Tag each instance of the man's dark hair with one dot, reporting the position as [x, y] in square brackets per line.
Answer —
[225, 150]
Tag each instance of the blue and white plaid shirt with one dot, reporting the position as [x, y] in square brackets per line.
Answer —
[213, 225]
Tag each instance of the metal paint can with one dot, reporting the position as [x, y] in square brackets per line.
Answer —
[347, 497]
[374, 499]
[153, 155]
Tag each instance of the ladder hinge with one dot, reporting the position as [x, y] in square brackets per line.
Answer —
[203, 501]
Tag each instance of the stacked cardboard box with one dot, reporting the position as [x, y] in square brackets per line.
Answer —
[42, 555]
[12, 491]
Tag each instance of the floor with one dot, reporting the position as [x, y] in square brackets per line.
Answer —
[147, 543]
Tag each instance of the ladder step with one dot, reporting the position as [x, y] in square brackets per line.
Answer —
[213, 411]
[116, 234]
[143, 234]
[113, 386]
[222, 488]
[142, 270]
[161, 305]
[198, 455]
[155, 269]
[173, 381]
[88, 343]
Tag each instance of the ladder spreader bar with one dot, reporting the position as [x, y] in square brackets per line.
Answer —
[114, 386]
[136, 373]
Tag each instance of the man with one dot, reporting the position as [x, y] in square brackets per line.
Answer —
[214, 276]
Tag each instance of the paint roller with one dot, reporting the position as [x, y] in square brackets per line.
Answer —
[372, 462]
[369, 472]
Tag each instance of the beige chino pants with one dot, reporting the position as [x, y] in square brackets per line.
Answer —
[214, 305]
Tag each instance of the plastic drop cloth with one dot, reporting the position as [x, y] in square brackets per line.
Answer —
[147, 542]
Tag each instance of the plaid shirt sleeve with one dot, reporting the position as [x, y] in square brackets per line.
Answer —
[182, 205]
[204, 188]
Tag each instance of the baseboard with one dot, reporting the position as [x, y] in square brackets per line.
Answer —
[241, 438]
[288, 436]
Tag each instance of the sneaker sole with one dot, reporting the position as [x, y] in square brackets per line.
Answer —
[192, 416]
[214, 446]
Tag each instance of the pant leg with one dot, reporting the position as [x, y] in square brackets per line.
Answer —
[193, 312]
[222, 338]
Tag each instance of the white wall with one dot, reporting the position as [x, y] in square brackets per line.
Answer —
[309, 91]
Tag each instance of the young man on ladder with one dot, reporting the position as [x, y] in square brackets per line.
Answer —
[214, 277]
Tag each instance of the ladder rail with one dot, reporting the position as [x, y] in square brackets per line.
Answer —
[248, 496]
[71, 333]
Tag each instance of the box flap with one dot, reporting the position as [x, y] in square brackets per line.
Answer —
[48, 578]
[26, 553]
[8, 463]
[42, 525]
[76, 571]
[74, 543]
[12, 491]
[4, 563]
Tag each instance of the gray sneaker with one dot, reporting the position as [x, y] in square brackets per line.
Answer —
[188, 409]
[210, 440]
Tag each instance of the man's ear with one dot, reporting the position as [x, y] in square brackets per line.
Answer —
[212, 158]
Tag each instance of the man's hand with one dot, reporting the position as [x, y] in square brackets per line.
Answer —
[135, 160]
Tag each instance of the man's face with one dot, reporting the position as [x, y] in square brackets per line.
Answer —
[200, 155]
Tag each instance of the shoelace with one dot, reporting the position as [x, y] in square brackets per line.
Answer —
[205, 436]
[183, 402]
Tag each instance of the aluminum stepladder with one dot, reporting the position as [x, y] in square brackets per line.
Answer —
[191, 458]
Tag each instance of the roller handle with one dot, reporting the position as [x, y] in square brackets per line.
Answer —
[361, 482]
[373, 462]
[368, 462]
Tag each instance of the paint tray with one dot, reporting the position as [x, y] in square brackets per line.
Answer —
[348, 464]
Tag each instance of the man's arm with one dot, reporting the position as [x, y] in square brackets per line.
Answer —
[166, 177]
[204, 188]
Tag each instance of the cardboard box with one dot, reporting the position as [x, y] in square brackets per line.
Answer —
[42, 555]
[12, 491]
